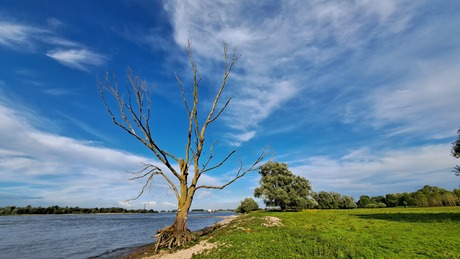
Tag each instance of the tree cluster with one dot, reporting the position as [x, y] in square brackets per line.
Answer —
[29, 210]
[428, 196]
[456, 153]
[280, 188]
[332, 200]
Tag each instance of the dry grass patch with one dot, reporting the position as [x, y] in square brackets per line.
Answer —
[272, 222]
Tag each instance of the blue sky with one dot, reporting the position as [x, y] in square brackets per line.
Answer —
[359, 97]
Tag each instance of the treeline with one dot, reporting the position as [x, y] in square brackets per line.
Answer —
[281, 189]
[428, 196]
[331, 200]
[29, 210]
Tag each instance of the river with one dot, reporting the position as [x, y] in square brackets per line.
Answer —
[88, 235]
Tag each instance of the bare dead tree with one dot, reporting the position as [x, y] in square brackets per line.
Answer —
[132, 114]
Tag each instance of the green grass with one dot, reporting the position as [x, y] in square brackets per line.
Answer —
[359, 233]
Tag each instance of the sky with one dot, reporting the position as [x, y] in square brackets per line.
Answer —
[358, 97]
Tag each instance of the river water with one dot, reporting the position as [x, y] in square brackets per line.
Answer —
[84, 236]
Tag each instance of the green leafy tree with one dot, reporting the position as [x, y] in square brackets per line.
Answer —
[420, 199]
[280, 188]
[363, 201]
[327, 200]
[456, 152]
[347, 202]
[391, 200]
[405, 199]
[378, 199]
[247, 205]
[130, 109]
[456, 192]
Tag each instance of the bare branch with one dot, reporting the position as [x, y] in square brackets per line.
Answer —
[114, 91]
[138, 117]
[221, 110]
[240, 172]
[184, 98]
[219, 164]
[228, 69]
[211, 155]
[150, 171]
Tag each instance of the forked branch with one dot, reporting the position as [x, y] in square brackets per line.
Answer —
[150, 171]
[240, 173]
[138, 118]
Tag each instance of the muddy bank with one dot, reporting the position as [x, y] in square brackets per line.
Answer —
[146, 251]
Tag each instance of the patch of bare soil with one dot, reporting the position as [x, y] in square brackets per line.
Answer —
[272, 222]
[184, 253]
[146, 251]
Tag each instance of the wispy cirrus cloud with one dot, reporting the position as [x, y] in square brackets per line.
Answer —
[79, 59]
[281, 56]
[413, 92]
[18, 36]
[33, 38]
[423, 106]
[59, 169]
[365, 171]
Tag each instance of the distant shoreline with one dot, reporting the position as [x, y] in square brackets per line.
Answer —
[56, 210]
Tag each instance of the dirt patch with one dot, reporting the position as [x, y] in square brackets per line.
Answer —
[272, 222]
[184, 253]
[146, 251]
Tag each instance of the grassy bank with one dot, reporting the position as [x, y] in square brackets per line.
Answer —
[359, 233]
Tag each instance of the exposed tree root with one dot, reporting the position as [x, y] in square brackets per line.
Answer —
[171, 237]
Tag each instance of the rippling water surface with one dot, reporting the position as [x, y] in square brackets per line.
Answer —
[83, 236]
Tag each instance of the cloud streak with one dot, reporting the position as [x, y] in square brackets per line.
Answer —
[278, 41]
[19, 36]
[60, 169]
[68, 53]
[367, 172]
[79, 59]
[66, 171]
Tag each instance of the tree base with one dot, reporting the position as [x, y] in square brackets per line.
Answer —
[171, 237]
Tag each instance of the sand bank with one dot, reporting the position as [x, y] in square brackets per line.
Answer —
[146, 251]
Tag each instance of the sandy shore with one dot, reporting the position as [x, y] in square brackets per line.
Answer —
[147, 253]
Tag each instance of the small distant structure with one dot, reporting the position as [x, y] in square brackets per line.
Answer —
[211, 211]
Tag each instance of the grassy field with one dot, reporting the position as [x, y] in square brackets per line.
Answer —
[358, 233]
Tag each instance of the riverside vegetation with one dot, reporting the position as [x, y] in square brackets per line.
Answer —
[359, 233]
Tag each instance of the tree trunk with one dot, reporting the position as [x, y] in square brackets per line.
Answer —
[178, 234]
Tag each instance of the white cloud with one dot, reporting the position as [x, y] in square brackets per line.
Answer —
[425, 104]
[367, 172]
[60, 169]
[168, 204]
[65, 171]
[411, 84]
[282, 44]
[18, 36]
[237, 139]
[125, 204]
[204, 194]
[68, 53]
[149, 203]
[77, 58]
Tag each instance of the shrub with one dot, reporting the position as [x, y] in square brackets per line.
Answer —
[381, 205]
[247, 205]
